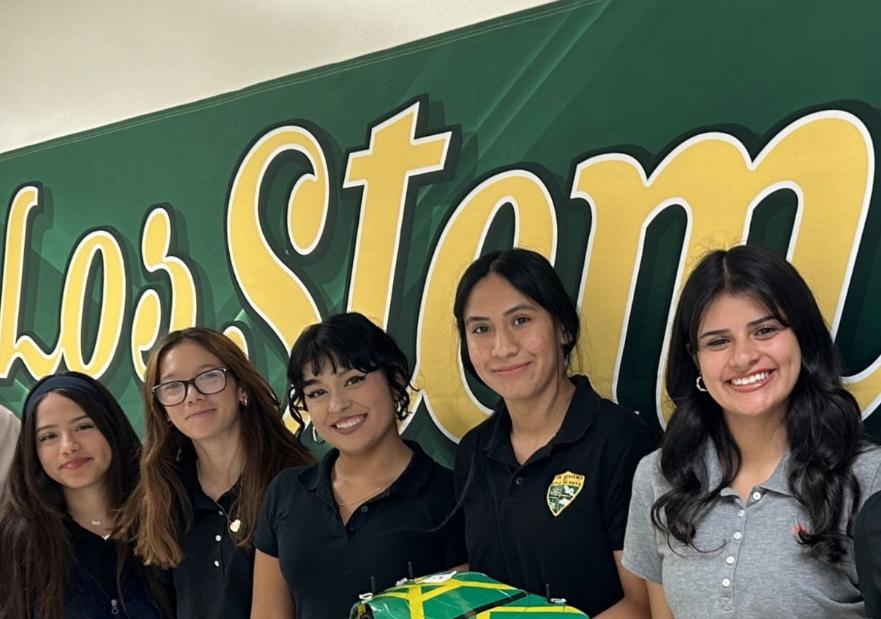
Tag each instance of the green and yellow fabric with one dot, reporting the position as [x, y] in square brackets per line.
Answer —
[455, 595]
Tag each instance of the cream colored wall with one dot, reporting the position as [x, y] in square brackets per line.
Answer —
[68, 66]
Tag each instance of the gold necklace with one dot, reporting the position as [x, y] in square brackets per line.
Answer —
[234, 524]
[359, 500]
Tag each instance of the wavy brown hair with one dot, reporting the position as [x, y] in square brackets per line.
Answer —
[159, 513]
[33, 536]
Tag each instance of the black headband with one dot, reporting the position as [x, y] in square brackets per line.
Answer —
[63, 381]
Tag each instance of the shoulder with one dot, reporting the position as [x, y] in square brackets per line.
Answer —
[292, 481]
[611, 418]
[476, 436]
[867, 469]
[648, 478]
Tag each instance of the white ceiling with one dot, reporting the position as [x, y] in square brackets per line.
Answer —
[68, 66]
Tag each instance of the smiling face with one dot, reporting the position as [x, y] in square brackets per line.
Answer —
[352, 410]
[513, 342]
[749, 360]
[199, 416]
[70, 447]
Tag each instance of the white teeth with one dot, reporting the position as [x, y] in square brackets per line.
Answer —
[350, 422]
[749, 380]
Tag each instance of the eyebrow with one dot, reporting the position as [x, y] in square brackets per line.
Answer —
[340, 370]
[165, 378]
[752, 323]
[55, 425]
[511, 310]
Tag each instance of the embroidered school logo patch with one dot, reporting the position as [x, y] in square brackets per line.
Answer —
[563, 490]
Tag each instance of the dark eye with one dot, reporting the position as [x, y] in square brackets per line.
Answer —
[521, 320]
[767, 331]
[480, 330]
[716, 343]
[354, 380]
[46, 437]
[85, 425]
[317, 393]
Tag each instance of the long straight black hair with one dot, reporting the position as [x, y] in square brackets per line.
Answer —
[823, 422]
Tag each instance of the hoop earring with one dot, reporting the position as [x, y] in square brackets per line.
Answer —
[401, 413]
[315, 438]
[699, 383]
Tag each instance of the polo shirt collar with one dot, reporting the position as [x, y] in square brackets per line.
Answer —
[410, 483]
[778, 482]
[579, 417]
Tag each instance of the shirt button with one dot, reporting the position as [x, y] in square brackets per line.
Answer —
[220, 512]
[216, 563]
[364, 509]
[519, 481]
[726, 582]
[217, 538]
[729, 560]
[757, 495]
[740, 513]
[738, 535]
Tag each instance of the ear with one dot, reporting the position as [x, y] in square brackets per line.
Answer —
[243, 396]
[565, 338]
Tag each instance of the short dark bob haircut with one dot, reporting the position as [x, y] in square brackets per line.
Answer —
[531, 274]
[823, 421]
[349, 341]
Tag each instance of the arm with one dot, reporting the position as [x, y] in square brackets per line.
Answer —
[635, 604]
[658, 601]
[271, 599]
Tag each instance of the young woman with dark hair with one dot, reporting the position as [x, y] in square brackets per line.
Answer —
[748, 505]
[373, 510]
[545, 482]
[75, 463]
[215, 439]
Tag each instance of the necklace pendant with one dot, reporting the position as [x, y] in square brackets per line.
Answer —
[235, 525]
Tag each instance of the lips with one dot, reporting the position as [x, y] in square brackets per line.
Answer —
[753, 380]
[199, 414]
[75, 464]
[509, 370]
[349, 424]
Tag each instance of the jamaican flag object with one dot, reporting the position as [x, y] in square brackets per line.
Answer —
[458, 595]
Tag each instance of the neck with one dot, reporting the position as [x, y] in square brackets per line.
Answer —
[762, 441]
[220, 461]
[385, 462]
[86, 505]
[544, 413]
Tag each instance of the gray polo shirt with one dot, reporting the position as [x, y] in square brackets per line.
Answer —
[750, 564]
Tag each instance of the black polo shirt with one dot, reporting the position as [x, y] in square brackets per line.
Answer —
[867, 553]
[555, 520]
[93, 592]
[327, 565]
[215, 578]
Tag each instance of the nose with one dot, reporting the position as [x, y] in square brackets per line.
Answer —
[192, 394]
[338, 401]
[69, 443]
[744, 353]
[505, 344]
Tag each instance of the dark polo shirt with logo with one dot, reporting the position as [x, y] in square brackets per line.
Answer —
[328, 564]
[552, 523]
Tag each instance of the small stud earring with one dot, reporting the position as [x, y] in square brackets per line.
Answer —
[699, 383]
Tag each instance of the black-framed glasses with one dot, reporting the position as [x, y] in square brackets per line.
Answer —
[208, 382]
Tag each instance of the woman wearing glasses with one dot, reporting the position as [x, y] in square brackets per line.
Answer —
[215, 439]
